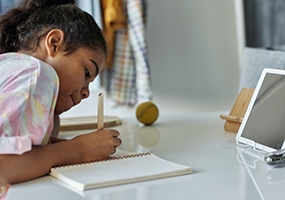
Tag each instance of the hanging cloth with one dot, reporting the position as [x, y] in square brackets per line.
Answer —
[113, 18]
[128, 81]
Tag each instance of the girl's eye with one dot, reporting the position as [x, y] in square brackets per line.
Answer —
[87, 74]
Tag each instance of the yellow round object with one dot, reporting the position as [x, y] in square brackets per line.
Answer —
[147, 113]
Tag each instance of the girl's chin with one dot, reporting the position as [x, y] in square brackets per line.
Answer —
[60, 111]
[63, 107]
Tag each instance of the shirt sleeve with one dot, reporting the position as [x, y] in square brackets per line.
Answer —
[27, 108]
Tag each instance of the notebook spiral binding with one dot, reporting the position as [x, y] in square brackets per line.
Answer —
[128, 156]
[105, 160]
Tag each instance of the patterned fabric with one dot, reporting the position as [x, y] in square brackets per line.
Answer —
[128, 82]
[28, 94]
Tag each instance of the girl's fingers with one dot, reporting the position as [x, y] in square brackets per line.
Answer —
[115, 133]
[117, 142]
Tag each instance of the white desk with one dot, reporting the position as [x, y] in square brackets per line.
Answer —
[197, 140]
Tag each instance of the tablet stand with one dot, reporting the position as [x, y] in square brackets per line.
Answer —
[234, 119]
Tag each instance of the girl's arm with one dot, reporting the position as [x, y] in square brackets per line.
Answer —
[38, 161]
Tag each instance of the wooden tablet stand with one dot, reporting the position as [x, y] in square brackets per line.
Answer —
[233, 121]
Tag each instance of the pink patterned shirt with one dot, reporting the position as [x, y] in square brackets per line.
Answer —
[28, 94]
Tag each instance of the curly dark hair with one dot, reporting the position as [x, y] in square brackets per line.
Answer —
[22, 28]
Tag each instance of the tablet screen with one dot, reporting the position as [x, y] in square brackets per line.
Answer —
[265, 123]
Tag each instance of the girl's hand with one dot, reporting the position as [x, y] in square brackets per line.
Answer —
[97, 145]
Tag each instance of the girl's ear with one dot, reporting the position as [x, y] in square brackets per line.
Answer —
[54, 42]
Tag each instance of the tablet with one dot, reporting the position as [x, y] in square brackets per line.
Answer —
[263, 126]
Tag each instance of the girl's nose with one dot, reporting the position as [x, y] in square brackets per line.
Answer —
[85, 93]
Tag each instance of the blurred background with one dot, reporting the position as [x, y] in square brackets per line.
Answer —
[194, 56]
[194, 51]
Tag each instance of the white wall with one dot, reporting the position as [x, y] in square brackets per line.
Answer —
[193, 52]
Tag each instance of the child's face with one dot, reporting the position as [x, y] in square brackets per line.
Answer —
[75, 72]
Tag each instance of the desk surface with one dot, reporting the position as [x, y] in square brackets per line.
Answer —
[221, 169]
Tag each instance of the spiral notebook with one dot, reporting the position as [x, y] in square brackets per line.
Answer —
[122, 168]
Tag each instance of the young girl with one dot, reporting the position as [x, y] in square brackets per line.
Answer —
[50, 52]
